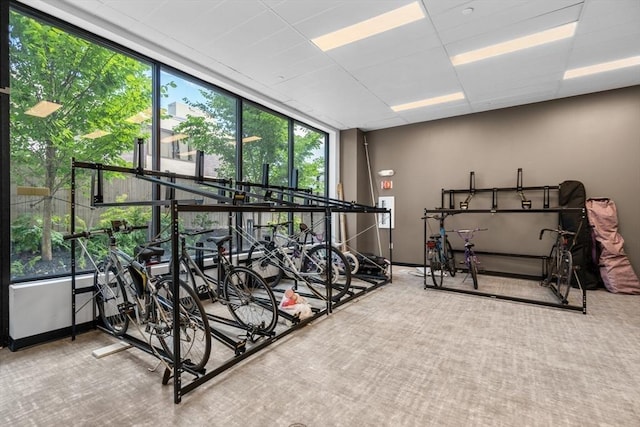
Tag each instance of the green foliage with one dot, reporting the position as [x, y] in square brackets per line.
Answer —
[17, 268]
[26, 234]
[98, 89]
[268, 135]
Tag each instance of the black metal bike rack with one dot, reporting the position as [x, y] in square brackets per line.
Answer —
[230, 198]
[448, 195]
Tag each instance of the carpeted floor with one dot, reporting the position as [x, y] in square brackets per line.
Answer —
[399, 356]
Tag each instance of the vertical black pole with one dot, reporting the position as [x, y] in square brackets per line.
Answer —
[424, 249]
[72, 226]
[175, 288]
[5, 198]
[265, 174]
[199, 165]
[327, 226]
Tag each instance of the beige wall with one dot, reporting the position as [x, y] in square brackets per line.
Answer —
[593, 138]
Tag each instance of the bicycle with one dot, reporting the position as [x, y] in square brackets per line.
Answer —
[440, 254]
[470, 258]
[245, 294]
[559, 264]
[125, 288]
[300, 261]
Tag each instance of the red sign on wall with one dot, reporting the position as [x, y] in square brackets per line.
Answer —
[386, 184]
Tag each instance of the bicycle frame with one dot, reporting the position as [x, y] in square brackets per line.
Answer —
[470, 258]
[121, 279]
[440, 254]
[308, 263]
[245, 294]
[559, 265]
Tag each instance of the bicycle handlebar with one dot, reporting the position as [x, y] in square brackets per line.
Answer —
[85, 234]
[280, 224]
[467, 234]
[198, 232]
[557, 230]
[465, 230]
[88, 233]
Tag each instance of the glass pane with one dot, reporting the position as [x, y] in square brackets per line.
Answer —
[309, 158]
[264, 141]
[69, 98]
[195, 117]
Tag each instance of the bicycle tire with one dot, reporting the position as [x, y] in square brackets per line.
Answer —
[111, 297]
[266, 261]
[250, 300]
[552, 266]
[195, 332]
[565, 270]
[473, 270]
[314, 267]
[354, 264]
[436, 268]
[451, 259]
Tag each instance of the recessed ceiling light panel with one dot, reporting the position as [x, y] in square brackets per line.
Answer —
[520, 43]
[376, 25]
[429, 101]
[602, 67]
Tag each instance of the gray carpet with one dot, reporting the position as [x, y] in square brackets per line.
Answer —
[399, 356]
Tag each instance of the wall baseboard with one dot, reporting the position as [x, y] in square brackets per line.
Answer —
[45, 337]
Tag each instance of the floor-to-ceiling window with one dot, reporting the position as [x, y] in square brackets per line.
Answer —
[77, 96]
[70, 98]
[264, 141]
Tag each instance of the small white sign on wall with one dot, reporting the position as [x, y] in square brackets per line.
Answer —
[386, 220]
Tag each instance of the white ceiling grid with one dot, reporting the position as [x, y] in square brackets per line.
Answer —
[264, 46]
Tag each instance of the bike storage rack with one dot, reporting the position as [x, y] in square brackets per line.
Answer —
[449, 208]
[233, 199]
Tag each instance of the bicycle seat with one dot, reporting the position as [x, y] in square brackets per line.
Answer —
[146, 253]
[435, 236]
[219, 241]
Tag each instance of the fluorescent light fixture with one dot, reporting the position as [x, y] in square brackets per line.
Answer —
[429, 101]
[251, 138]
[43, 109]
[96, 134]
[140, 117]
[602, 67]
[536, 39]
[172, 138]
[370, 27]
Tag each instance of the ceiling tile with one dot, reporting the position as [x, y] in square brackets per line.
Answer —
[261, 49]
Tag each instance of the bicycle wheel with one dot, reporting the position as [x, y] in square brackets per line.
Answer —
[195, 332]
[473, 270]
[314, 266]
[552, 266]
[436, 267]
[565, 269]
[264, 259]
[250, 300]
[451, 259]
[111, 298]
[354, 264]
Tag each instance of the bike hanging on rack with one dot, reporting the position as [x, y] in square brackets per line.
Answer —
[440, 253]
[559, 264]
[126, 292]
[470, 258]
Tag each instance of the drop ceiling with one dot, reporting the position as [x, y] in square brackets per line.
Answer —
[261, 49]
